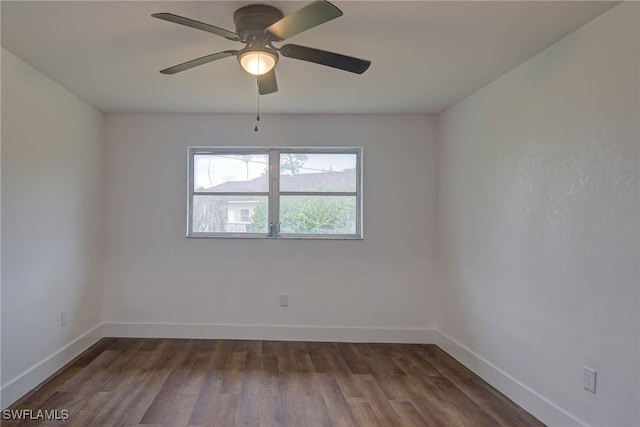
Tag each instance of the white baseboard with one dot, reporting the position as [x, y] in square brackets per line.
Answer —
[533, 402]
[29, 379]
[268, 332]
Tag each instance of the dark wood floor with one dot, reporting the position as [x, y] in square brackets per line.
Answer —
[167, 382]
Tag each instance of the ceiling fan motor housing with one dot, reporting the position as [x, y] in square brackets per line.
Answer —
[252, 20]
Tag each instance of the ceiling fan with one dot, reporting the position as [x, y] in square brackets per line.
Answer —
[260, 25]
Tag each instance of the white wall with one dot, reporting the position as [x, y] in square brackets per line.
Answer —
[52, 187]
[154, 274]
[539, 225]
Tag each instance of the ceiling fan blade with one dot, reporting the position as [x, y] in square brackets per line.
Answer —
[197, 25]
[322, 57]
[313, 14]
[199, 61]
[267, 83]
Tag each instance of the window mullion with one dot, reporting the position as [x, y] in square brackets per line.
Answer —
[359, 193]
[274, 190]
[190, 178]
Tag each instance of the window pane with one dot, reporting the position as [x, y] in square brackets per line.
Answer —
[231, 173]
[317, 172]
[230, 214]
[318, 214]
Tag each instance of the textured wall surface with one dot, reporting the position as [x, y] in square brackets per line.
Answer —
[539, 221]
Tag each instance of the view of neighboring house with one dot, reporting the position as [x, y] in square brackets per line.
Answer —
[236, 213]
[239, 214]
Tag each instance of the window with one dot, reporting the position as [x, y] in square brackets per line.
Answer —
[275, 192]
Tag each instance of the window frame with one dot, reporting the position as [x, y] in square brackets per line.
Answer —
[274, 194]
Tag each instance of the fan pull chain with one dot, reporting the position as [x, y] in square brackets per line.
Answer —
[258, 114]
[255, 129]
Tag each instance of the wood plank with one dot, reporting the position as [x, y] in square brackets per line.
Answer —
[286, 360]
[137, 404]
[355, 364]
[432, 409]
[233, 372]
[82, 417]
[341, 372]
[252, 392]
[194, 379]
[179, 362]
[92, 374]
[133, 384]
[326, 386]
[180, 410]
[203, 411]
[318, 359]
[388, 379]
[158, 410]
[409, 415]
[363, 413]
[92, 352]
[385, 413]
[301, 357]
[225, 409]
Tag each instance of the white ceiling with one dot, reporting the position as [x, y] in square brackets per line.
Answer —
[425, 55]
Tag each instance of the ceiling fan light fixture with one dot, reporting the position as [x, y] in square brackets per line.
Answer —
[257, 62]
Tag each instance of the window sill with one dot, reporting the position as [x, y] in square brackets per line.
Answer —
[264, 237]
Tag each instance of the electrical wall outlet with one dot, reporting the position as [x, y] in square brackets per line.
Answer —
[63, 318]
[589, 379]
[284, 300]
